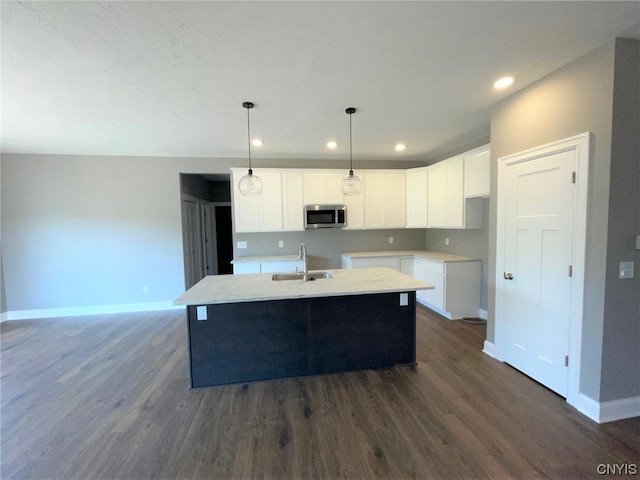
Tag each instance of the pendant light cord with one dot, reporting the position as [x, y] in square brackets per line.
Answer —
[249, 140]
[350, 147]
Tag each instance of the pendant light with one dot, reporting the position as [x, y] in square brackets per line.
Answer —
[351, 184]
[250, 185]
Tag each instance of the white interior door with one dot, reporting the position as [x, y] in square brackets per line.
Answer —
[539, 220]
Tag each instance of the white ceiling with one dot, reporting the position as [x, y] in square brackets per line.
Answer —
[169, 78]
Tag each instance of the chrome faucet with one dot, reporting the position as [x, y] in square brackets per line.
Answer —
[302, 255]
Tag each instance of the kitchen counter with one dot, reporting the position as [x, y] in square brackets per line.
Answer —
[215, 289]
[244, 328]
[426, 254]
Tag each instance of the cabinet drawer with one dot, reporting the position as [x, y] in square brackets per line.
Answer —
[373, 262]
[284, 266]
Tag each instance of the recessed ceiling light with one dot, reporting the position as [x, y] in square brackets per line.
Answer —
[400, 147]
[256, 142]
[503, 82]
[332, 144]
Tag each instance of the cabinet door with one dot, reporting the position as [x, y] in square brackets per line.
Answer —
[476, 174]
[355, 210]
[395, 200]
[262, 213]
[271, 202]
[375, 205]
[417, 184]
[242, 268]
[334, 195]
[322, 188]
[283, 266]
[445, 193]
[406, 266]
[436, 296]
[314, 188]
[436, 196]
[246, 210]
[292, 201]
[455, 194]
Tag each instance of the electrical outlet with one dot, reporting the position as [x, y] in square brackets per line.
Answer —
[281, 243]
[390, 240]
[145, 289]
[242, 245]
[201, 312]
[446, 241]
[626, 270]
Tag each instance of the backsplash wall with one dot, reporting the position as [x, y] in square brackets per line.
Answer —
[324, 246]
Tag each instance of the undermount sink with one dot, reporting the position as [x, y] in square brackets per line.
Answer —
[278, 277]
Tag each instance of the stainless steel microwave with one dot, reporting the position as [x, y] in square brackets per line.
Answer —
[325, 216]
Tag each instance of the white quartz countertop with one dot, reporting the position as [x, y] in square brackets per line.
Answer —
[267, 258]
[428, 255]
[260, 286]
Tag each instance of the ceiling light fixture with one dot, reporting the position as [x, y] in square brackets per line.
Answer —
[503, 82]
[250, 185]
[332, 145]
[351, 184]
[400, 147]
[256, 142]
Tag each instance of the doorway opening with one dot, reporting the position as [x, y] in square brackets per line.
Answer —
[206, 225]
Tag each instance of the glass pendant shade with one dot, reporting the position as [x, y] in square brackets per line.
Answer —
[351, 184]
[250, 185]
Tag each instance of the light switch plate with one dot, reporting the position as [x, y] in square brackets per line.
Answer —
[626, 270]
[201, 312]
[281, 243]
[390, 240]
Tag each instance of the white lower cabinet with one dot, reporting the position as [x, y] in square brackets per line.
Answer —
[456, 292]
[270, 266]
[457, 287]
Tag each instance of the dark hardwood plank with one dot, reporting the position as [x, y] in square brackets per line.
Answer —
[107, 397]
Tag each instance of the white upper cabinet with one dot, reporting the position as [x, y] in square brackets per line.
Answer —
[262, 213]
[417, 184]
[477, 172]
[355, 211]
[384, 199]
[292, 201]
[446, 205]
[445, 201]
[322, 187]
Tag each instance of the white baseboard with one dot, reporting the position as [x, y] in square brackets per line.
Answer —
[613, 410]
[4, 316]
[482, 314]
[490, 349]
[89, 310]
[587, 406]
[609, 411]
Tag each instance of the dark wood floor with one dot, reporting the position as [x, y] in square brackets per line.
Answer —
[107, 397]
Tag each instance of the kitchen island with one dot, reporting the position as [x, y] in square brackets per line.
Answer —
[244, 328]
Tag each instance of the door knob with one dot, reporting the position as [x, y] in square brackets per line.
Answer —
[508, 276]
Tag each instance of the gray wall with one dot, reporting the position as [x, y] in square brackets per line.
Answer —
[3, 298]
[471, 243]
[324, 246]
[93, 230]
[572, 100]
[621, 335]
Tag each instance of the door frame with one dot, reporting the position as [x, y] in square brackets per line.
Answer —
[581, 145]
